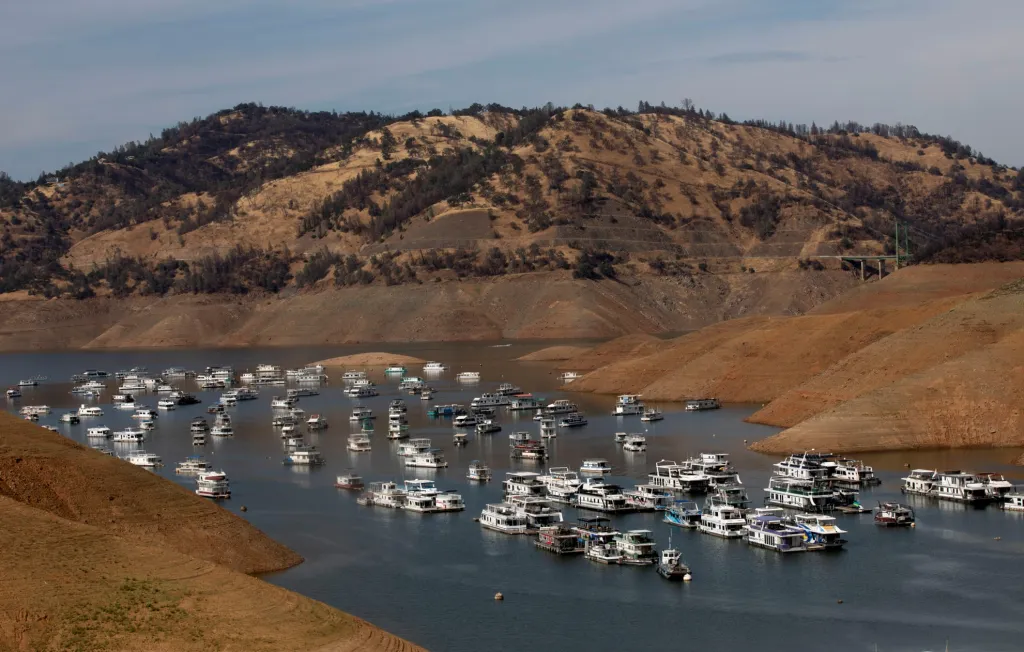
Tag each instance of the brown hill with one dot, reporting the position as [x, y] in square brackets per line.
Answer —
[368, 199]
[98, 554]
[49, 472]
[525, 306]
[850, 376]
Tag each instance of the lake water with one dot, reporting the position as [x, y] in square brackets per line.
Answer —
[431, 578]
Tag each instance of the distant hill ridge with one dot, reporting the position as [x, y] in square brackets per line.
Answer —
[260, 199]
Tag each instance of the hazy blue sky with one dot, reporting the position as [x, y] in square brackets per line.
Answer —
[79, 76]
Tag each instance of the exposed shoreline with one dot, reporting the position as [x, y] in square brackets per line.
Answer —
[142, 562]
[533, 306]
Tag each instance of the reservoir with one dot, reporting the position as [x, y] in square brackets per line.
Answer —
[956, 578]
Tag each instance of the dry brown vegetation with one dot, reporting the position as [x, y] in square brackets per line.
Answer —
[883, 367]
[367, 199]
[96, 554]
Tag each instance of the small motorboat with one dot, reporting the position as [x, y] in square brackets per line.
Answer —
[671, 567]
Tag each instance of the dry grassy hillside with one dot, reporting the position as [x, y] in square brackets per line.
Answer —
[98, 554]
[356, 198]
[851, 377]
[54, 474]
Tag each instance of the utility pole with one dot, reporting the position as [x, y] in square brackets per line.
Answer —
[898, 243]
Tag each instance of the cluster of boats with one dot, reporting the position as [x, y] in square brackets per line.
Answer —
[977, 489]
[414, 496]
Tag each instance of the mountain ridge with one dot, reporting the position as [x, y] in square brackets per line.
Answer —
[258, 199]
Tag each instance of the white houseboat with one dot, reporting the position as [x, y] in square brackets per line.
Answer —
[628, 405]
[479, 472]
[652, 414]
[635, 444]
[595, 466]
[920, 482]
[523, 483]
[595, 494]
[503, 518]
[213, 484]
[304, 457]
[809, 495]
[961, 487]
[562, 483]
[820, 531]
[384, 494]
[677, 478]
[432, 459]
[144, 459]
[722, 521]
[771, 532]
[647, 498]
[699, 404]
[359, 443]
[636, 548]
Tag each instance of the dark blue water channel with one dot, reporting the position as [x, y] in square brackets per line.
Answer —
[957, 577]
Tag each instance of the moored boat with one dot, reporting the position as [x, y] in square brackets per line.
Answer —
[359, 443]
[722, 521]
[628, 405]
[595, 466]
[572, 420]
[213, 484]
[652, 414]
[683, 513]
[504, 518]
[648, 498]
[636, 548]
[699, 404]
[349, 480]
[771, 532]
[305, 456]
[670, 565]
[479, 472]
[894, 515]
[820, 531]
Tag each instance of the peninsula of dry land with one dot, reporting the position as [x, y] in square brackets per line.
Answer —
[98, 554]
[932, 356]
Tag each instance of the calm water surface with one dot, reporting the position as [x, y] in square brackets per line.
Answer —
[431, 578]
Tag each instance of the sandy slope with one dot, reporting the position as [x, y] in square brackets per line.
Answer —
[976, 400]
[528, 306]
[930, 357]
[370, 360]
[555, 354]
[98, 554]
[72, 586]
[47, 471]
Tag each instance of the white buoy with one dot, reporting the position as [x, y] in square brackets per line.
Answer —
[687, 577]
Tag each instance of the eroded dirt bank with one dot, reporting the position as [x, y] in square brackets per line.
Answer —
[530, 306]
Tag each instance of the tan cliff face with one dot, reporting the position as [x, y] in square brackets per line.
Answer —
[930, 357]
[99, 554]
